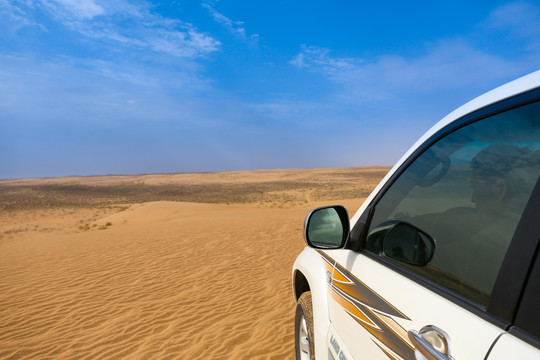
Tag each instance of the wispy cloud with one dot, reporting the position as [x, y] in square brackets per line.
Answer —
[235, 27]
[96, 91]
[16, 12]
[81, 9]
[445, 65]
[134, 26]
[520, 19]
[442, 65]
[119, 62]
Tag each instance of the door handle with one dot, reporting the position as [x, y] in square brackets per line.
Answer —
[430, 343]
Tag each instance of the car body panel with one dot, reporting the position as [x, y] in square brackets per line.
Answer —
[403, 305]
[337, 348]
[510, 347]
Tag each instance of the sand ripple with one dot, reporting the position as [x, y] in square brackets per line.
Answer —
[166, 280]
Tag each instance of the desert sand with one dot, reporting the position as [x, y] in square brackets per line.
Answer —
[108, 267]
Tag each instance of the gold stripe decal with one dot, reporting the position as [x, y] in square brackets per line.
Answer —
[371, 311]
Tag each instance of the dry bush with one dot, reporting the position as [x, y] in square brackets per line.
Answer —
[293, 187]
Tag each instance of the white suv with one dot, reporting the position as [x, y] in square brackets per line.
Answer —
[441, 261]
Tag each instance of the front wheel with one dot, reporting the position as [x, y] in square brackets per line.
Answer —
[303, 329]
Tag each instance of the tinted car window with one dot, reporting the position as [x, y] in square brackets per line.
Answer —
[467, 192]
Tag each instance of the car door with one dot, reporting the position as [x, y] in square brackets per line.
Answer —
[438, 260]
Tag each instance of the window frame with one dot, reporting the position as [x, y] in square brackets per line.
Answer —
[527, 319]
[503, 304]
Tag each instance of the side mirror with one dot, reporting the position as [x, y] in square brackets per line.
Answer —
[402, 242]
[327, 227]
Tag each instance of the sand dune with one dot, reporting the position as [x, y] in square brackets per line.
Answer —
[159, 280]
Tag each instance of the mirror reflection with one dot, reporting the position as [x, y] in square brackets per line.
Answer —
[325, 228]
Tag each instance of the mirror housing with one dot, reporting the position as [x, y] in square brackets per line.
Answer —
[402, 242]
[327, 227]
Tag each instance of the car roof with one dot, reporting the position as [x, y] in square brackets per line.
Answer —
[508, 90]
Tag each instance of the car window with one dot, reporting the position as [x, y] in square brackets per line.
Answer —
[467, 192]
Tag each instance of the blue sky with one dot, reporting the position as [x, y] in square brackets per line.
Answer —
[90, 87]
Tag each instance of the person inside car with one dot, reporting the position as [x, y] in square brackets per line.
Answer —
[468, 239]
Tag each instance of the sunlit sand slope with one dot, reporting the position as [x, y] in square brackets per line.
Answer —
[160, 280]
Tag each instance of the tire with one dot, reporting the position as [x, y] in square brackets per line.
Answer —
[303, 328]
